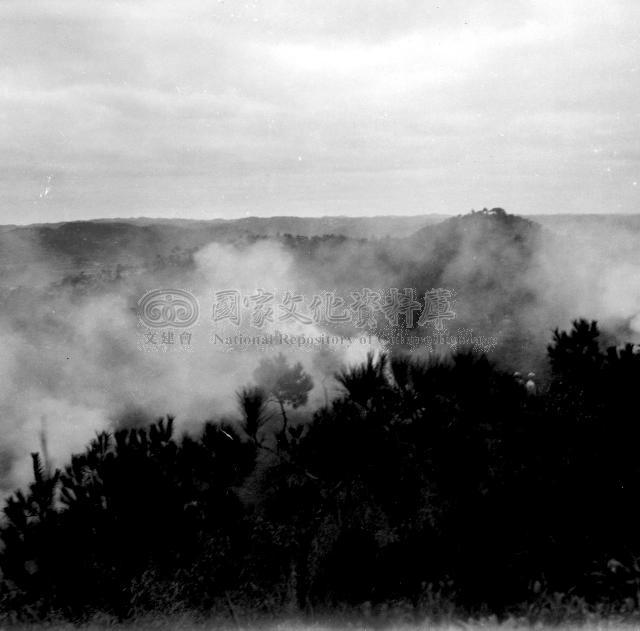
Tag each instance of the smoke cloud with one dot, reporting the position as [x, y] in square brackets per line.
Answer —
[74, 361]
[73, 365]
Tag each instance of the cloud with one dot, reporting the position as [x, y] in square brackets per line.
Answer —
[195, 108]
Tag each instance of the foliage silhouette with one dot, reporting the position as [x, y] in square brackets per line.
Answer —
[423, 481]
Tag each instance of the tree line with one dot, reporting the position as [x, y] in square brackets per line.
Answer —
[423, 486]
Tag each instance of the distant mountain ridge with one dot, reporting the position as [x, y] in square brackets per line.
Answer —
[139, 242]
[357, 227]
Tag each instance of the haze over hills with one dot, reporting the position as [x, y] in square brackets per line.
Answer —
[506, 266]
[69, 294]
[136, 240]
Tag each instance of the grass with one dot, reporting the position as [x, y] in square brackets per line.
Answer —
[187, 623]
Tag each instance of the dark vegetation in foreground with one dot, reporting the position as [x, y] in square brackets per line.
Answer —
[440, 487]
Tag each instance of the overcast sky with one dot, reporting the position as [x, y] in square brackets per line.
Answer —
[226, 109]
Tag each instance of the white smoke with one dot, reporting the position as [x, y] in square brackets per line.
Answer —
[73, 363]
[591, 272]
[76, 366]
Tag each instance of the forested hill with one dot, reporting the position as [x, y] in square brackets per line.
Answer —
[490, 258]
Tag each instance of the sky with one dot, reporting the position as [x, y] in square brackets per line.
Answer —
[206, 109]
